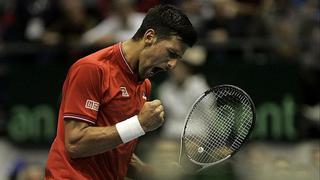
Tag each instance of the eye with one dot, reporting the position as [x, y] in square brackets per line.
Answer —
[173, 54]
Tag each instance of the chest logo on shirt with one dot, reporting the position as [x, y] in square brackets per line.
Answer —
[124, 92]
[93, 105]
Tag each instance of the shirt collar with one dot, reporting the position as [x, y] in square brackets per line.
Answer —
[122, 61]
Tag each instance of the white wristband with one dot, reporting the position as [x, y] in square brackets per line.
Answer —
[129, 129]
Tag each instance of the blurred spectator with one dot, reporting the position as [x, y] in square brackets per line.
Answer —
[25, 20]
[121, 24]
[14, 18]
[194, 10]
[24, 170]
[72, 22]
[283, 22]
[31, 172]
[309, 40]
[62, 34]
[234, 17]
[35, 26]
[180, 90]
[6, 18]
[309, 34]
[145, 5]
[230, 27]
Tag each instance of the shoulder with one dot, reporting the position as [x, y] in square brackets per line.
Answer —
[86, 69]
[98, 59]
[100, 56]
[86, 65]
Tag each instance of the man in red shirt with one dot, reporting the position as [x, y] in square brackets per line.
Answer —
[105, 105]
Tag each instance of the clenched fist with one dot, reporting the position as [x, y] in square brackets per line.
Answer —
[151, 115]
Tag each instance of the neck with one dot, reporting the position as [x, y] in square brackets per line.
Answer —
[131, 50]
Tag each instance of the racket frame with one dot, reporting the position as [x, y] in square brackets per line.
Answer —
[245, 141]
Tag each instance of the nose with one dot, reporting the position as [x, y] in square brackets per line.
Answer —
[172, 64]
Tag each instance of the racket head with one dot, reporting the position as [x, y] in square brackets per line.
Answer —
[218, 125]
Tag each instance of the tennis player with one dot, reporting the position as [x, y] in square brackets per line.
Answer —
[105, 105]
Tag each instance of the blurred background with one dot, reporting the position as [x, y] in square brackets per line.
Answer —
[269, 48]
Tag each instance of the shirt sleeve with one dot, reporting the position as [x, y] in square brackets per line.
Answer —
[83, 93]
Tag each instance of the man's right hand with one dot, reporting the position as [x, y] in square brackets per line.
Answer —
[151, 115]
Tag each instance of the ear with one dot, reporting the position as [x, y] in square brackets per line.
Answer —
[150, 37]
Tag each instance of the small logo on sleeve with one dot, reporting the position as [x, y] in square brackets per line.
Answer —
[93, 105]
[124, 92]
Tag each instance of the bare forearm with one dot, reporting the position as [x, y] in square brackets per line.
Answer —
[83, 140]
[90, 141]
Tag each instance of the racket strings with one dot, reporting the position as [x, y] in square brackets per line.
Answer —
[216, 156]
[194, 145]
[208, 137]
[225, 126]
[217, 126]
[244, 127]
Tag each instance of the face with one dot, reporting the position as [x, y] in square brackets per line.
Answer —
[160, 56]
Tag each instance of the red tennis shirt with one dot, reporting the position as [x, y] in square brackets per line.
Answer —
[102, 90]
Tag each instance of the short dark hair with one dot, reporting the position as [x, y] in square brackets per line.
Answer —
[167, 20]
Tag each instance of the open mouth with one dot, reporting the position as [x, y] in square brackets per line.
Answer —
[155, 70]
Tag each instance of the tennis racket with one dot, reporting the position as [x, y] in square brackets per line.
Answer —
[217, 125]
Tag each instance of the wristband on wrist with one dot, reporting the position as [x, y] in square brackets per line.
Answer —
[129, 129]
